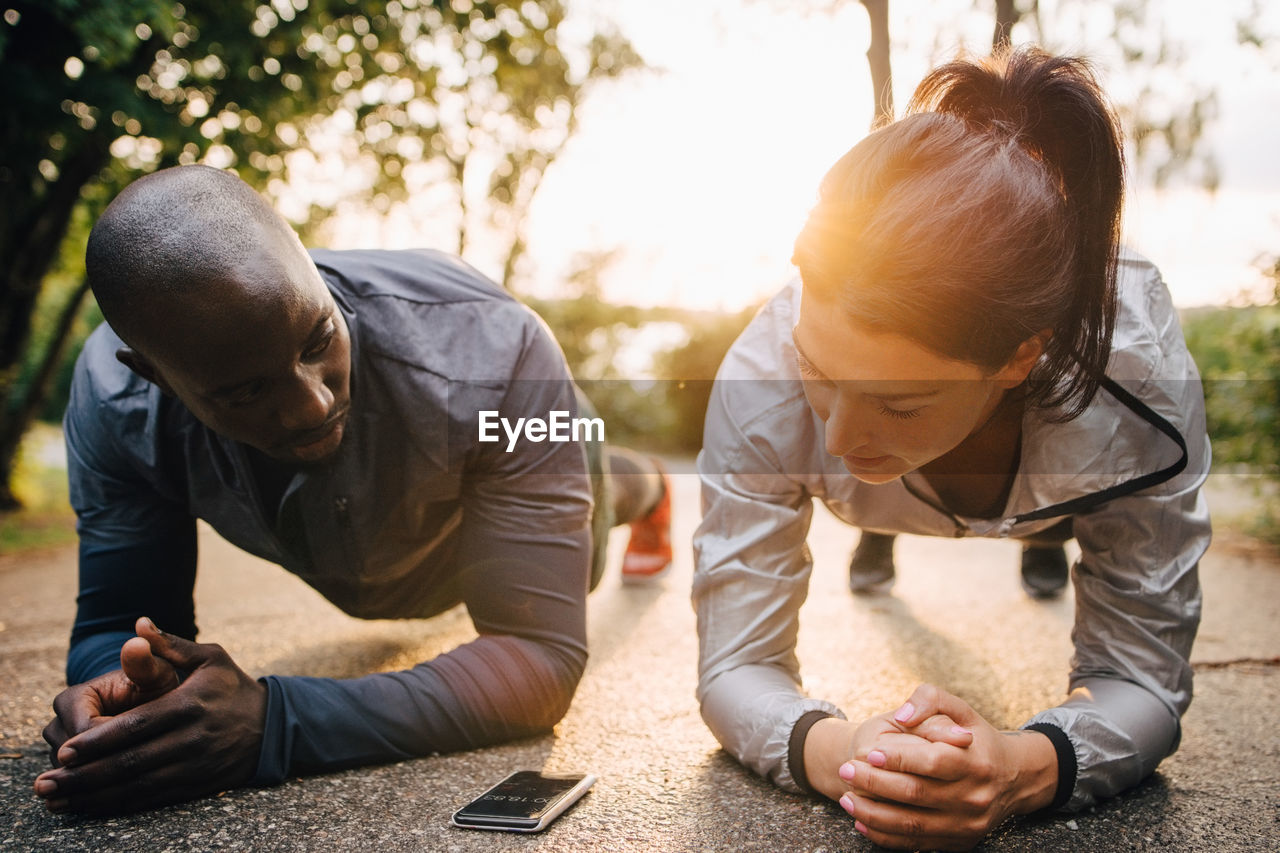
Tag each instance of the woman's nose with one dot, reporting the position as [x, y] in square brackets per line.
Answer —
[847, 427]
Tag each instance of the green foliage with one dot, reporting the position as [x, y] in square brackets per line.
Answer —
[475, 98]
[663, 409]
[242, 83]
[60, 286]
[1238, 353]
[46, 518]
[690, 368]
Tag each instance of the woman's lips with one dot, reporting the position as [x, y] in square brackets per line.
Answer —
[865, 461]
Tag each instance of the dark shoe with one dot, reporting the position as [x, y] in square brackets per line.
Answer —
[871, 569]
[1044, 571]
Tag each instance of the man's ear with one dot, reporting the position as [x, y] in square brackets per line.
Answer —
[138, 363]
[1024, 358]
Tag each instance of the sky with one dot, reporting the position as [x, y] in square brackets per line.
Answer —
[698, 173]
[701, 172]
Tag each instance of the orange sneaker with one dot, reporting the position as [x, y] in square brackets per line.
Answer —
[649, 552]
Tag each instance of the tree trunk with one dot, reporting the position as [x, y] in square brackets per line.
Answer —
[14, 423]
[35, 247]
[520, 215]
[1007, 15]
[38, 242]
[878, 60]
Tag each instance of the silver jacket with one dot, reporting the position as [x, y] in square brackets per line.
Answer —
[1127, 471]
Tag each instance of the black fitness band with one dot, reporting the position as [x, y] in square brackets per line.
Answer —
[795, 748]
[1066, 762]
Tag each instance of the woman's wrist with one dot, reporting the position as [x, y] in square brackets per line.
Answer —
[1036, 759]
[827, 745]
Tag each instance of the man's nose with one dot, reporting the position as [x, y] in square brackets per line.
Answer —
[309, 404]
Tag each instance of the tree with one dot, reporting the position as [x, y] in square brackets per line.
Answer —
[1164, 102]
[1166, 112]
[99, 93]
[878, 58]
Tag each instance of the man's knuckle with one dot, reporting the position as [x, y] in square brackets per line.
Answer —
[188, 709]
[202, 740]
[215, 650]
[63, 702]
[132, 725]
[127, 764]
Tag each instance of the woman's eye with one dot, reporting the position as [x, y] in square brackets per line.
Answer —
[808, 371]
[900, 414]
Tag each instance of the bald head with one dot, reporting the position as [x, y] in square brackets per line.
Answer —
[182, 240]
[221, 307]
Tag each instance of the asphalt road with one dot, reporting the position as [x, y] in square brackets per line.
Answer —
[957, 617]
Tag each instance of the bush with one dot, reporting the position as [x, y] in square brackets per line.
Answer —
[1238, 353]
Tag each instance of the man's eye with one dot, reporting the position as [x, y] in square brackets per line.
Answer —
[323, 345]
[246, 394]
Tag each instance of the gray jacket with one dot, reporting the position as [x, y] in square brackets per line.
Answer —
[1127, 472]
[411, 516]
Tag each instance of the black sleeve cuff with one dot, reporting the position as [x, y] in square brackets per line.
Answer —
[1067, 768]
[795, 748]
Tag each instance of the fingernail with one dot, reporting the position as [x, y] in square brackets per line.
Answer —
[860, 826]
[960, 730]
[904, 713]
[876, 758]
[846, 802]
[45, 787]
[67, 755]
[846, 771]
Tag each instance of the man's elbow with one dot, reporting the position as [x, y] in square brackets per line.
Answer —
[552, 694]
[531, 685]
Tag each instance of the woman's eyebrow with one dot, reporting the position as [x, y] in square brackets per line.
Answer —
[922, 394]
[907, 395]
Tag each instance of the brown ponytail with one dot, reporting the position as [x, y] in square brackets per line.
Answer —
[987, 214]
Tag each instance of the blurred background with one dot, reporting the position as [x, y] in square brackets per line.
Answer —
[635, 171]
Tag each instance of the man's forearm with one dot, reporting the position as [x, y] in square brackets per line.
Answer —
[493, 689]
[95, 655]
[152, 578]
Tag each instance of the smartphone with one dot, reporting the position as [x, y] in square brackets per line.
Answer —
[525, 801]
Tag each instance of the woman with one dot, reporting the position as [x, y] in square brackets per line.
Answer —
[967, 353]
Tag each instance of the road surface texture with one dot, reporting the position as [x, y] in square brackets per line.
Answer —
[957, 617]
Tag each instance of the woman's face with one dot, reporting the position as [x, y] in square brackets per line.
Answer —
[890, 406]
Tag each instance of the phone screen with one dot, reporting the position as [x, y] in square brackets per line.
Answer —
[525, 801]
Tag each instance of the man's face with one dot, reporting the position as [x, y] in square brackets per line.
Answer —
[269, 365]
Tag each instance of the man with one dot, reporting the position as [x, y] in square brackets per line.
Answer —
[332, 413]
